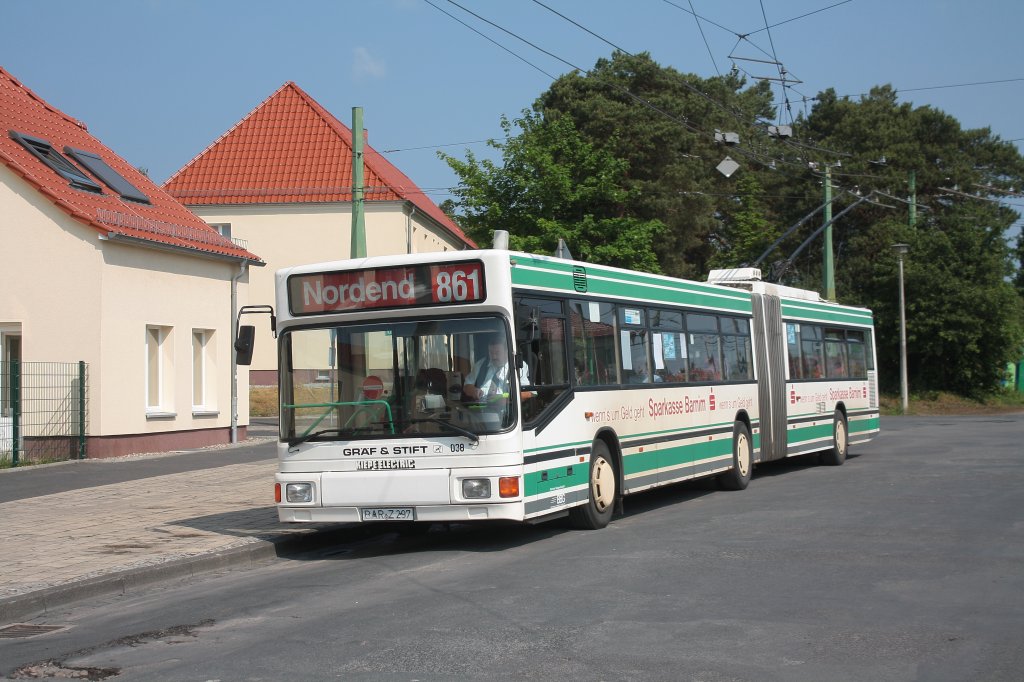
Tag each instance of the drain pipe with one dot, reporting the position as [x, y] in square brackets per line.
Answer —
[242, 267]
[408, 228]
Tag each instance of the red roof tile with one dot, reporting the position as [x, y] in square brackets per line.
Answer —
[289, 149]
[164, 220]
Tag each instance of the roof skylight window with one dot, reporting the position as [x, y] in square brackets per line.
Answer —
[44, 151]
[102, 170]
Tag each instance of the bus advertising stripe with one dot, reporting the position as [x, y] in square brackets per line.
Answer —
[677, 436]
[556, 454]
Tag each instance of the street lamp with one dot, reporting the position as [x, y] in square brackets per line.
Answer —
[900, 250]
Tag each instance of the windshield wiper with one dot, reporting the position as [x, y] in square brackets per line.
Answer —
[350, 432]
[441, 422]
[292, 442]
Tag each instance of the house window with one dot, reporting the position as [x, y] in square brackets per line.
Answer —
[203, 371]
[44, 151]
[224, 229]
[110, 177]
[159, 365]
[10, 352]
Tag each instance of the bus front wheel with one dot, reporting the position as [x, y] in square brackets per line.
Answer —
[738, 477]
[836, 455]
[602, 486]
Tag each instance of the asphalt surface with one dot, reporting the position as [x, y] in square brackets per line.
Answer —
[79, 530]
[82, 529]
[903, 564]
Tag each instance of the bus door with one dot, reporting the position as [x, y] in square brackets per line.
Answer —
[770, 353]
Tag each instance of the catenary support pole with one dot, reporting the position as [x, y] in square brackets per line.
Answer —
[828, 267]
[358, 241]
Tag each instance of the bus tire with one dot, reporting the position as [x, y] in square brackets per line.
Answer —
[738, 477]
[602, 490]
[836, 455]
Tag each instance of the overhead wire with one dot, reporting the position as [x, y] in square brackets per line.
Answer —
[437, 146]
[735, 114]
[488, 38]
[802, 16]
[705, 39]
[763, 158]
[775, 56]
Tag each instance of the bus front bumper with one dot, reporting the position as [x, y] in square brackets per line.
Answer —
[511, 511]
[418, 495]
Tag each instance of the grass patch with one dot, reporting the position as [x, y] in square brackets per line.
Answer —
[7, 462]
[941, 403]
[263, 401]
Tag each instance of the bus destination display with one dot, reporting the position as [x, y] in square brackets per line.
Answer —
[420, 285]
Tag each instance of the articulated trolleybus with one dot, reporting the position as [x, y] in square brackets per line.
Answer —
[500, 385]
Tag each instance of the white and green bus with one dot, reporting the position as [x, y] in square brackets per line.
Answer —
[492, 384]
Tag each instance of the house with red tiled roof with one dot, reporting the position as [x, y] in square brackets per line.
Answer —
[105, 269]
[281, 178]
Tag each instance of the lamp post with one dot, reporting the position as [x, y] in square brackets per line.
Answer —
[901, 249]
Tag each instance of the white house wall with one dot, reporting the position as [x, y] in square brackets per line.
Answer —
[78, 297]
[50, 279]
[146, 287]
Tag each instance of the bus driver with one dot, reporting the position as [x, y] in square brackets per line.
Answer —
[489, 376]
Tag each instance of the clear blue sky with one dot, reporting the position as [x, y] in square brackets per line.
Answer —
[159, 80]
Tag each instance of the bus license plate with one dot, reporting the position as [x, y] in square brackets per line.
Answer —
[389, 514]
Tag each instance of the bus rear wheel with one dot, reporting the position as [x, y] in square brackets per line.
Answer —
[602, 487]
[738, 477]
[836, 455]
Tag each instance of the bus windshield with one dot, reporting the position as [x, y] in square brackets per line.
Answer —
[393, 379]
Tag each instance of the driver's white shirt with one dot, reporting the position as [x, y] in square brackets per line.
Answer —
[495, 378]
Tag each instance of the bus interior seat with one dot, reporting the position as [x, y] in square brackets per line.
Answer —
[432, 380]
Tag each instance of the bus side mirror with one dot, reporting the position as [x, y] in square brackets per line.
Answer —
[244, 344]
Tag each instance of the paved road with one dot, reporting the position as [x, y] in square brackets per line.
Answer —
[905, 563]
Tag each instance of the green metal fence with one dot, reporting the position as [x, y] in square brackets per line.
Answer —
[43, 411]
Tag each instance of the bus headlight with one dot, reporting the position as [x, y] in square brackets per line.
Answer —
[298, 492]
[476, 488]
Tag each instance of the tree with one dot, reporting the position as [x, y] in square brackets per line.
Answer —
[743, 226]
[964, 319]
[662, 123]
[554, 184]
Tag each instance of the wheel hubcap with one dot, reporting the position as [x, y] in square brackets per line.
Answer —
[743, 454]
[602, 484]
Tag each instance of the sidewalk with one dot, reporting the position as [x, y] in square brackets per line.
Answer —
[110, 539]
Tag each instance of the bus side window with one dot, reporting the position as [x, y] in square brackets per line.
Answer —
[593, 332]
[856, 353]
[635, 366]
[812, 350]
[545, 356]
[736, 349]
[704, 348]
[668, 346]
[793, 349]
[835, 353]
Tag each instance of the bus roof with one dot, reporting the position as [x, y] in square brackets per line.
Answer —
[728, 290]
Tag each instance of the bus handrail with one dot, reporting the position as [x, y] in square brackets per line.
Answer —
[360, 403]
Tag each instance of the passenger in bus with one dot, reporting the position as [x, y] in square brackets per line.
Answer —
[583, 377]
[838, 368]
[489, 376]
